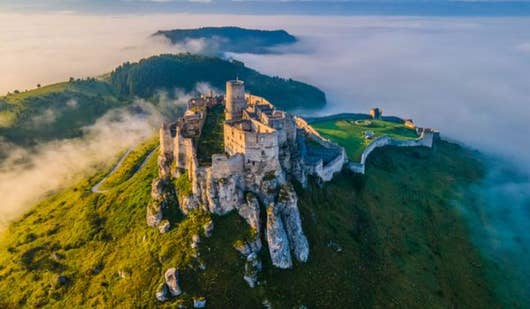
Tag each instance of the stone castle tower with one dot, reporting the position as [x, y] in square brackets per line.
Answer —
[235, 99]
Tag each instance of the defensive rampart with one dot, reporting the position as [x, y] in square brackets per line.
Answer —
[425, 140]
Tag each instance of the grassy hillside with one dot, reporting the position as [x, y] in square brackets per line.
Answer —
[56, 111]
[131, 164]
[231, 39]
[389, 238]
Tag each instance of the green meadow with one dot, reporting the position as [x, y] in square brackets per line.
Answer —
[349, 132]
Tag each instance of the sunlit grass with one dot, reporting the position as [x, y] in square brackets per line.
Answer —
[350, 134]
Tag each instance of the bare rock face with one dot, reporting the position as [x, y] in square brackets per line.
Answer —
[277, 239]
[224, 194]
[164, 165]
[164, 226]
[154, 213]
[287, 202]
[172, 282]
[252, 268]
[158, 187]
[161, 194]
[188, 203]
[269, 186]
[250, 211]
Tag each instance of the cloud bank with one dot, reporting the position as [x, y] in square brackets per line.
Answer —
[466, 77]
[26, 176]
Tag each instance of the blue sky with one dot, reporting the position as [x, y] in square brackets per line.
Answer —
[263, 7]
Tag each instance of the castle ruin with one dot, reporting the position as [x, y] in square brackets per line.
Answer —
[264, 150]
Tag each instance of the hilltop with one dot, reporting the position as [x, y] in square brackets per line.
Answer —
[231, 39]
[167, 72]
[61, 110]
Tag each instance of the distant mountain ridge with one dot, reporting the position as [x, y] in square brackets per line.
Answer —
[231, 39]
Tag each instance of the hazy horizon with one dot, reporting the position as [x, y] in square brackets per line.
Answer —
[431, 69]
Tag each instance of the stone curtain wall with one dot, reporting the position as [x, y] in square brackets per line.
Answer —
[334, 166]
[425, 140]
[223, 167]
[252, 99]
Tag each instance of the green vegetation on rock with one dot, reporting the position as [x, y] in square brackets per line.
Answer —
[183, 186]
[211, 140]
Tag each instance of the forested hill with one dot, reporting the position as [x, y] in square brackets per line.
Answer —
[167, 72]
[231, 39]
[59, 111]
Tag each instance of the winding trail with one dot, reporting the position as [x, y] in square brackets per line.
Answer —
[96, 189]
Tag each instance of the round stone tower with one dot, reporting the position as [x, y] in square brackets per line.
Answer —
[235, 99]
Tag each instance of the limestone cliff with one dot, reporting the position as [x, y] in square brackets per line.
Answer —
[277, 239]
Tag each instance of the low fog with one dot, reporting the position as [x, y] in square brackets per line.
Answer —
[54, 165]
[466, 77]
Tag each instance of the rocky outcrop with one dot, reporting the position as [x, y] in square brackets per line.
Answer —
[284, 229]
[172, 282]
[161, 195]
[154, 213]
[250, 211]
[164, 165]
[269, 185]
[188, 203]
[287, 202]
[224, 194]
[252, 268]
[277, 239]
[164, 226]
[162, 292]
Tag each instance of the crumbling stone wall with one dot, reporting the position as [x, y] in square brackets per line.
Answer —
[424, 140]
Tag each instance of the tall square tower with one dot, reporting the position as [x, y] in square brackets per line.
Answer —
[235, 100]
